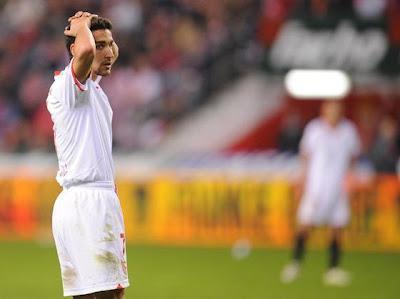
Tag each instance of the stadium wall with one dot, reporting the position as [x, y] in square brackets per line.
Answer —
[209, 209]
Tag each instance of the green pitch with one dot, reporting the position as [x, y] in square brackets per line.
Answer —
[30, 271]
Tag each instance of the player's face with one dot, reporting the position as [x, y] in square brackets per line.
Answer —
[332, 111]
[105, 52]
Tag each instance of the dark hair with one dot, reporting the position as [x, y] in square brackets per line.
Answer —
[98, 23]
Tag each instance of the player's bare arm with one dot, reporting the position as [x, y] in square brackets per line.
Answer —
[84, 47]
[304, 164]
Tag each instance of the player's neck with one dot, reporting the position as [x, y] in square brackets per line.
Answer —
[93, 75]
[332, 123]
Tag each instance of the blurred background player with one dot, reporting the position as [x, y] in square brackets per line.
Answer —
[87, 223]
[329, 145]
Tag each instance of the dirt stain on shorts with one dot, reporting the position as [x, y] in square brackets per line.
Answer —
[68, 277]
[107, 257]
[109, 261]
[109, 234]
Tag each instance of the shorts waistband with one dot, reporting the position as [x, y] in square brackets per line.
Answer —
[103, 185]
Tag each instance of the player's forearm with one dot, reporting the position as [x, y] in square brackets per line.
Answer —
[84, 52]
[85, 44]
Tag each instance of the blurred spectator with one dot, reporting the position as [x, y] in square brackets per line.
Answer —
[325, 10]
[18, 14]
[273, 15]
[386, 149]
[370, 9]
[290, 133]
[126, 15]
[136, 90]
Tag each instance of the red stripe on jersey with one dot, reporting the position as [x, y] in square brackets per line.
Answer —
[79, 84]
[57, 73]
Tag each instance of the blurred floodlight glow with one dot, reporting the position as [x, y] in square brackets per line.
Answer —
[317, 84]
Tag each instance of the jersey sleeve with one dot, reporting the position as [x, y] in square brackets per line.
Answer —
[68, 90]
[306, 142]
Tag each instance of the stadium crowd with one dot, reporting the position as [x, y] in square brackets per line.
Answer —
[169, 49]
[173, 55]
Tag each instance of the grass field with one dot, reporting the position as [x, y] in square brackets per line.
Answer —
[30, 271]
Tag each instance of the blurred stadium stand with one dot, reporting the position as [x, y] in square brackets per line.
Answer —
[173, 55]
[196, 76]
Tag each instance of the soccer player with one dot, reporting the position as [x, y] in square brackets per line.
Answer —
[87, 223]
[329, 145]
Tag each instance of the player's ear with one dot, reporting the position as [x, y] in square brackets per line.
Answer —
[72, 49]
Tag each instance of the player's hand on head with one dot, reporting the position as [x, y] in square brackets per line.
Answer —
[76, 15]
[77, 21]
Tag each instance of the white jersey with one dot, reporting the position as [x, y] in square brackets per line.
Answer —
[82, 119]
[329, 151]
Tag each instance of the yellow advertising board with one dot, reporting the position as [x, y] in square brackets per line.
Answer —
[209, 210]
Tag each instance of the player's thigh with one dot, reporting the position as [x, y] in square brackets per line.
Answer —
[308, 212]
[113, 294]
[340, 214]
[89, 296]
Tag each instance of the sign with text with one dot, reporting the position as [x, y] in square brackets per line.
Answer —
[209, 210]
[342, 44]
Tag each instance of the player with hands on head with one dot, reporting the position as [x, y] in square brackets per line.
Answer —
[87, 221]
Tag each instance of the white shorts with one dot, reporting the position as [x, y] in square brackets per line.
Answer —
[89, 234]
[322, 210]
